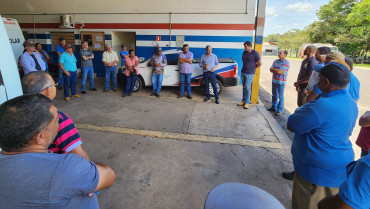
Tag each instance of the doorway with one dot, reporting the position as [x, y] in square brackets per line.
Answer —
[119, 38]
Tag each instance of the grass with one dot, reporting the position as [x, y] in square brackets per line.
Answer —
[362, 65]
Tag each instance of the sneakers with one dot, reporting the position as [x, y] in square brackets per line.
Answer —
[206, 99]
[93, 89]
[245, 106]
[67, 99]
[153, 94]
[189, 97]
[157, 95]
[271, 109]
[76, 96]
[179, 96]
[277, 113]
[124, 95]
[83, 92]
[241, 103]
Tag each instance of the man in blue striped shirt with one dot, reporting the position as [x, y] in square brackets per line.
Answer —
[279, 70]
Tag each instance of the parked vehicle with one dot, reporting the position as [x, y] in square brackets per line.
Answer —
[226, 74]
[317, 45]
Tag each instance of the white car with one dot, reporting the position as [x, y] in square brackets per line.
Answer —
[226, 74]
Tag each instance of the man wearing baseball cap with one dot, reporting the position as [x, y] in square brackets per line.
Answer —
[67, 62]
[30, 59]
[321, 148]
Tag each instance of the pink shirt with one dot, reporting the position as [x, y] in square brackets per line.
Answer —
[130, 63]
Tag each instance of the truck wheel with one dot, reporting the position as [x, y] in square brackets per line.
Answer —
[138, 85]
[219, 88]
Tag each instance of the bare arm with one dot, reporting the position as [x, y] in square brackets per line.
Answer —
[58, 53]
[259, 63]
[213, 70]
[276, 71]
[46, 55]
[81, 152]
[311, 96]
[106, 176]
[303, 80]
[84, 58]
[64, 70]
[365, 120]
[333, 202]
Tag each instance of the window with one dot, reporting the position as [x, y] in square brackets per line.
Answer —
[68, 36]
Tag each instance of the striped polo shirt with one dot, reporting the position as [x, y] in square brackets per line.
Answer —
[282, 65]
[67, 138]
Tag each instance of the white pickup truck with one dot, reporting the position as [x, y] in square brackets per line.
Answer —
[226, 73]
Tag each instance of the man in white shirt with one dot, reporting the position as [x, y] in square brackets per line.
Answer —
[110, 60]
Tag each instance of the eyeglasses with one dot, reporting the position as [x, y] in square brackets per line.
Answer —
[55, 84]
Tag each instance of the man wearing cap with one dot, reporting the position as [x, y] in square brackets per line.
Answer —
[321, 148]
[60, 49]
[251, 61]
[123, 53]
[158, 61]
[30, 59]
[110, 60]
[305, 74]
[87, 67]
[186, 69]
[320, 56]
[67, 62]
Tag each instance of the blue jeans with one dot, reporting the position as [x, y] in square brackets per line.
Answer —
[85, 71]
[70, 80]
[278, 96]
[210, 77]
[185, 78]
[130, 84]
[110, 72]
[247, 84]
[60, 78]
[157, 82]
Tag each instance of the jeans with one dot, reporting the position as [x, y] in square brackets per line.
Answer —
[85, 71]
[185, 78]
[210, 77]
[157, 82]
[278, 94]
[247, 84]
[130, 84]
[110, 72]
[60, 78]
[70, 80]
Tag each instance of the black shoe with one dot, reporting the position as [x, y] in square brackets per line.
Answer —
[277, 113]
[152, 94]
[124, 95]
[157, 95]
[206, 99]
[189, 97]
[271, 109]
[130, 94]
[83, 92]
[93, 89]
[217, 102]
[179, 96]
[115, 90]
[105, 90]
[289, 175]
[60, 87]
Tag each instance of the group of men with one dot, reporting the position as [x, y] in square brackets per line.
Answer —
[322, 153]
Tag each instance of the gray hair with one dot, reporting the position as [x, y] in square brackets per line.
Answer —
[107, 45]
[35, 82]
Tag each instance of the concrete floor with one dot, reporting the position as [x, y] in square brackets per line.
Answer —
[169, 152]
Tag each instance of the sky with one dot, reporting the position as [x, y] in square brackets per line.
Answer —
[284, 15]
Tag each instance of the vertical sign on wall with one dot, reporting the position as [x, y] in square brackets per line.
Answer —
[158, 38]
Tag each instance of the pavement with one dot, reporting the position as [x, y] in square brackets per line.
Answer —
[169, 152]
[290, 94]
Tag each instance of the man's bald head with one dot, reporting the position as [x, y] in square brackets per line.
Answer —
[39, 82]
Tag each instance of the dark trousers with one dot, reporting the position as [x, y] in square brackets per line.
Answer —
[210, 77]
[70, 80]
[130, 84]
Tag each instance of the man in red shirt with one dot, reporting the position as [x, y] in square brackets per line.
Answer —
[363, 139]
